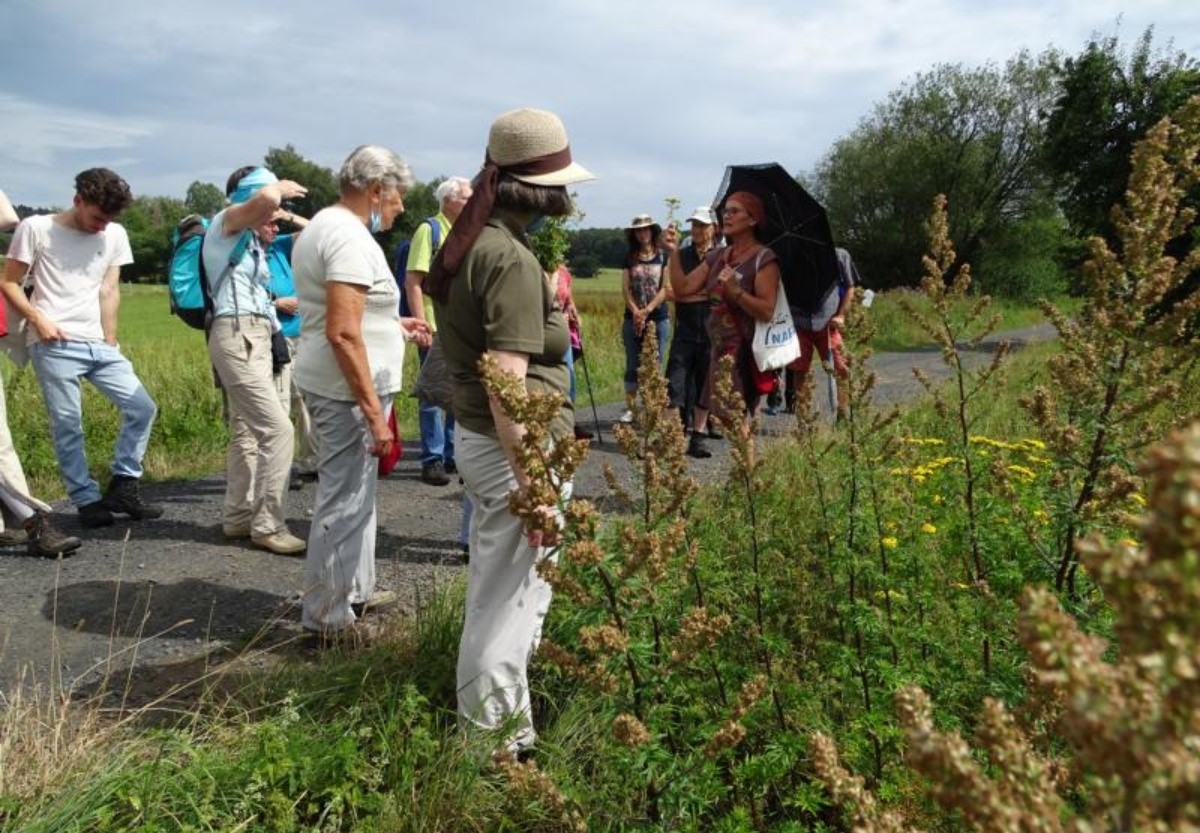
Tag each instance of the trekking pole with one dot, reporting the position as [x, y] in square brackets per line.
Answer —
[587, 378]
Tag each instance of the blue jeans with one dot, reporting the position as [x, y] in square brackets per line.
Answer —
[437, 430]
[633, 348]
[569, 358]
[59, 366]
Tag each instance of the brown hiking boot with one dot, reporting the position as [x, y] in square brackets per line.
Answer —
[47, 542]
[124, 497]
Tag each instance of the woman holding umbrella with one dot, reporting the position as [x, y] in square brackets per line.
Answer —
[741, 281]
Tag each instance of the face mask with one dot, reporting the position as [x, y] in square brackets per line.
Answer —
[375, 221]
[535, 225]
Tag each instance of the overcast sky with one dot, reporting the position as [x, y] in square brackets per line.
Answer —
[657, 97]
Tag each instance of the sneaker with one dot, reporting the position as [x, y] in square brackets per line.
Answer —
[435, 473]
[13, 537]
[626, 417]
[280, 543]
[233, 531]
[95, 514]
[44, 541]
[697, 447]
[450, 467]
[124, 497]
[771, 410]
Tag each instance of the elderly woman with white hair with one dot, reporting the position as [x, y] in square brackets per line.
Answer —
[348, 366]
[492, 298]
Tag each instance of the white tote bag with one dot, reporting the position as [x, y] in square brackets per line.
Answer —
[776, 344]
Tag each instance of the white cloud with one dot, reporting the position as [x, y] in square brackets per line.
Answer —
[657, 98]
[37, 134]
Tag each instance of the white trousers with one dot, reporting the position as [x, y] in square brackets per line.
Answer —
[340, 566]
[14, 491]
[507, 600]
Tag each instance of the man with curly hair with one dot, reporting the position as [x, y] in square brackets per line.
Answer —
[73, 261]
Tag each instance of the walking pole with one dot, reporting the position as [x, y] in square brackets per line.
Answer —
[587, 378]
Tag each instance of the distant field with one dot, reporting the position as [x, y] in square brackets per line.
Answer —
[190, 437]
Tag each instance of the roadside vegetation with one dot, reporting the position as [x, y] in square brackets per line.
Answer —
[977, 613]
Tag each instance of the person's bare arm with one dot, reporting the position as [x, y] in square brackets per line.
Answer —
[8, 214]
[760, 304]
[414, 293]
[683, 284]
[508, 432]
[344, 303]
[262, 207]
[14, 296]
[110, 303]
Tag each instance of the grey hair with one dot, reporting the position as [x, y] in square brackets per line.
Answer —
[368, 165]
[451, 188]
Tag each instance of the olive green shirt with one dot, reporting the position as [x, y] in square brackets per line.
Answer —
[500, 300]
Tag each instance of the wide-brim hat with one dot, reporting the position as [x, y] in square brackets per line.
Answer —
[524, 135]
[644, 221]
[703, 214]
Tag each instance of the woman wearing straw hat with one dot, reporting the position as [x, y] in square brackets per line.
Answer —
[741, 280]
[643, 284]
[491, 296]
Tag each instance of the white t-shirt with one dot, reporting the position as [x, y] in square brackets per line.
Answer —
[336, 246]
[68, 267]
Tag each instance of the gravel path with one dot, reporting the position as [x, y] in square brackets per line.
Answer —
[167, 598]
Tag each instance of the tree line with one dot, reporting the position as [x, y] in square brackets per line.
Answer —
[1030, 155]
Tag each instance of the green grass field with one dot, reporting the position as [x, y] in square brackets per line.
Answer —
[190, 437]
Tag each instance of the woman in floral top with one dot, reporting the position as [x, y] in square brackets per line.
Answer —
[643, 283]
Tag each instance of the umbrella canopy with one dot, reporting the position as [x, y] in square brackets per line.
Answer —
[797, 229]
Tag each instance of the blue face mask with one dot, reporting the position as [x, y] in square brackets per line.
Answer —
[535, 225]
[375, 221]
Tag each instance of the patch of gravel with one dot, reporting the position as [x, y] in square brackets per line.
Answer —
[166, 598]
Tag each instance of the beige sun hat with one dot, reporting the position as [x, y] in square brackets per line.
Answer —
[643, 221]
[524, 135]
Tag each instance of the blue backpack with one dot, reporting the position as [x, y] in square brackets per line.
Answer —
[187, 285]
[400, 261]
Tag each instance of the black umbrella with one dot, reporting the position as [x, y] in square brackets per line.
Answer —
[797, 229]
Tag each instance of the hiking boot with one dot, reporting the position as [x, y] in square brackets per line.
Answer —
[450, 467]
[280, 543]
[13, 537]
[124, 497]
[379, 600]
[44, 541]
[583, 434]
[697, 447]
[95, 514]
[713, 433]
[435, 474]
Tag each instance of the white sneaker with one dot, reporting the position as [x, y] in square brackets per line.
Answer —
[626, 417]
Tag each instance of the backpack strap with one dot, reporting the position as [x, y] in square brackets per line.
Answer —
[435, 236]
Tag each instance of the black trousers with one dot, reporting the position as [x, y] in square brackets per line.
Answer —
[691, 350]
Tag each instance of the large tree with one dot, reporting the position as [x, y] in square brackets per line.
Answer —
[970, 133]
[149, 222]
[1109, 98]
[287, 163]
[204, 198]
